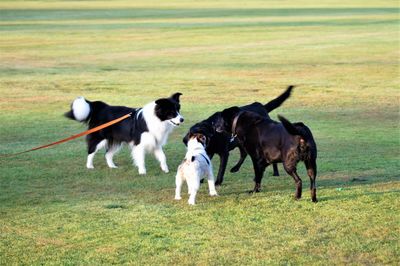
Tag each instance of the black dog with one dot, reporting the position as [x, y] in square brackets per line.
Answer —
[267, 142]
[221, 144]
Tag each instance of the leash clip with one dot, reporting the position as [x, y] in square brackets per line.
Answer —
[233, 137]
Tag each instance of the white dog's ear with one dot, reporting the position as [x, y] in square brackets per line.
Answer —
[203, 139]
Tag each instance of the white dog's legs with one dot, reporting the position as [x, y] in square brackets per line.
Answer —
[211, 183]
[159, 153]
[193, 185]
[138, 153]
[178, 182]
[110, 154]
[89, 162]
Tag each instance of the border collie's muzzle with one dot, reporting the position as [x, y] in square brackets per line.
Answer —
[176, 121]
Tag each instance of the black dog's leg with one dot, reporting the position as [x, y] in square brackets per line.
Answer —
[243, 155]
[259, 168]
[222, 167]
[291, 170]
[276, 172]
[312, 173]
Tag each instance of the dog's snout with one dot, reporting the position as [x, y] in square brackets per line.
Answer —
[181, 120]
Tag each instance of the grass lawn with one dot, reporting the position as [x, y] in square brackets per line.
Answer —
[344, 59]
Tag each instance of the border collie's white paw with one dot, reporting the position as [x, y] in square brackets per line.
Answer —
[142, 171]
[191, 202]
[89, 166]
[213, 193]
[165, 169]
[178, 197]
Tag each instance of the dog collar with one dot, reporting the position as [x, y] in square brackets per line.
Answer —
[205, 158]
[234, 123]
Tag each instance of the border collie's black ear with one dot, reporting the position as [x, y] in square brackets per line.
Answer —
[162, 101]
[175, 96]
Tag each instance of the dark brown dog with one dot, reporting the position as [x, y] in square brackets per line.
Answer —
[222, 144]
[267, 142]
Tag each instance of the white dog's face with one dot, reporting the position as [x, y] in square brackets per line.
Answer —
[193, 143]
[197, 139]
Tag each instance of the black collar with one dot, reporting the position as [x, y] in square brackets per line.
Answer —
[208, 161]
[234, 124]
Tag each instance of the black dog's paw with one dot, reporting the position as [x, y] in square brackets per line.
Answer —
[235, 169]
[314, 200]
[297, 197]
[202, 181]
[254, 191]
[276, 174]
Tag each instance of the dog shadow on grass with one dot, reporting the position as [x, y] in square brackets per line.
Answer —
[356, 195]
[342, 188]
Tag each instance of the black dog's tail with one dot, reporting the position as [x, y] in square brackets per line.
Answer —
[290, 127]
[275, 103]
[301, 130]
[80, 110]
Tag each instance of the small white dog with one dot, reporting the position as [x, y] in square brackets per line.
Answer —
[196, 165]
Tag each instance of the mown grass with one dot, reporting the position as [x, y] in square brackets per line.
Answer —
[344, 57]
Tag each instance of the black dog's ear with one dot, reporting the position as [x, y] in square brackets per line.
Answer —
[255, 120]
[175, 96]
[207, 141]
[229, 113]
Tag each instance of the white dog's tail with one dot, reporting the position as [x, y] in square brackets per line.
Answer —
[80, 110]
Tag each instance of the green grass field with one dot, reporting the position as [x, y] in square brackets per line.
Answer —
[344, 59]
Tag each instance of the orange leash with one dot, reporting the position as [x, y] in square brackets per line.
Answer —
[87, 132]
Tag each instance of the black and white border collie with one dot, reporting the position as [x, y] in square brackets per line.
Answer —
[146, 131]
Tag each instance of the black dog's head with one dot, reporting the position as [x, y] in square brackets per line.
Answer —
[198, 130]
[167, 109]
[205, 127]
[225, 120]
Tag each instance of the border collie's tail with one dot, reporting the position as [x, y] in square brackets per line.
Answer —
[80, 110]
[275, 103]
